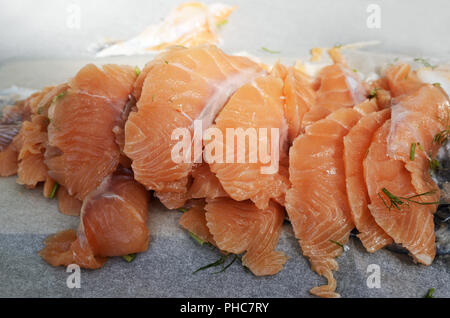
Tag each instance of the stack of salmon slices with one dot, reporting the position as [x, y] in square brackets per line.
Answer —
[241, 149]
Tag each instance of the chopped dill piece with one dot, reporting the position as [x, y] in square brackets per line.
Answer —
[429, 293]
[396, 59]
[373, 93]
[39, 111]
[435, 165]
[165, 61]
[413, 151]
[397, 201]
[221, 23]
[54, 189]
[339, 244]
[59, 96]
[442, 137]
[129, 258]
[437, 84]
[270, 51]
[355, 70]
[197, 239]
[406, 77]
[183, 210]
[424, 62]
[137, 71]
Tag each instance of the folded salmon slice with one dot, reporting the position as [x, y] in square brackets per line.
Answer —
[416, 119]
[412, 225]
[239, 227]
[205, 184]
[10, 124]
[176, 88]
[81, 149]
[356, 145]
[317, 202]
[68, 204]
[113, 223]
[338, 87]
[194, 220]
[244, 174]
[300, 98]
[31, 142]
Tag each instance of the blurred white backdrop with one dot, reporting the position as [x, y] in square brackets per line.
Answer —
[46, 28]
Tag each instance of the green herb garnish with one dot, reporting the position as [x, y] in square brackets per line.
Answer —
[373, 93]
[221, 23]
[355, 70]
[429, 293]
[129, 258]
[183, 210]
[59, 96]
[397, 201]
[137, 70]
[197, 239]
[442, 137]
[165, 61]
[413, 151]
[53, 193]
[424, 62]
[339, 244]
[435, 165]
[219, 262]
[437, 84]
[270, 51]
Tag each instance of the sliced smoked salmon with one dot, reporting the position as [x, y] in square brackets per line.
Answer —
[176, 88]
[300, 98]
[113, 223]
[409, 224]
[81, 144]
[356, 145]
[68, 204]
[317, 202]
[205, 184]
[255, 112]
[338, 87]
[194, 220]
[239, 227]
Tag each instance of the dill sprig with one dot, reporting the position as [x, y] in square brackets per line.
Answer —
[442, 137]
[397, 201]
[338, 244]
[137, 71]
[373, 93]
[54, 189]
[183, 210]
[424, 62]
[219, 262]
[270, 51]
[429, 293]
[413, 151]
[129, 258]
[198, 239]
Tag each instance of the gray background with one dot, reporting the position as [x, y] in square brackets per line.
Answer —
[38, 49]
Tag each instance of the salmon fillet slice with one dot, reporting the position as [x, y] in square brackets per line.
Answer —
[81, 149]
[412, 226]
[176, 88]
[416, 119]
[10, 125]
[205, 184]
[68, 204]
[356, 145]
[300, 98]
[194, 220]
[31, 143]
[338, 87]
[254, 106]
[113, 223]
[317, 202]
[239, 227]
